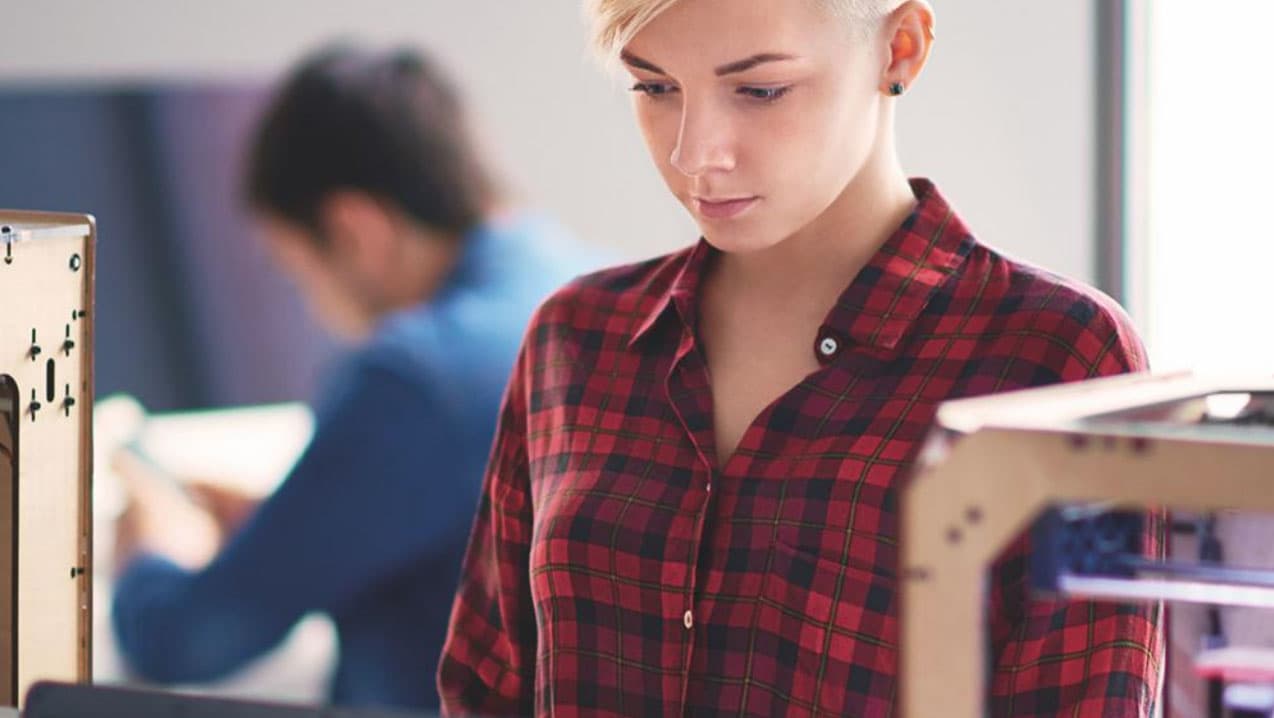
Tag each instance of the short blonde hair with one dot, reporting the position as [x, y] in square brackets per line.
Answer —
[616, 22]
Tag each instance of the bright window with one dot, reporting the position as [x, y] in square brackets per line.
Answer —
[1204, 275]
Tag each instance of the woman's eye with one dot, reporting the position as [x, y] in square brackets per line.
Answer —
[653, 89]
[764, 94]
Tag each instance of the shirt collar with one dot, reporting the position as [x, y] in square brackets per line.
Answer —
[680, 293]
[890, 293]
[881, 303]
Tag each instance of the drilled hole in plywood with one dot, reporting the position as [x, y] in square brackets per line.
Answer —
[50, 381]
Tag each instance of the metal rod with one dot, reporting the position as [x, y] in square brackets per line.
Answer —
[1204, 572]
[1125, 589]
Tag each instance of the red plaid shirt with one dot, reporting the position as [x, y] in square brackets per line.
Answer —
[616, 570]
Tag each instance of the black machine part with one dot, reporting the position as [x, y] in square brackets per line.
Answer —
[67, 700]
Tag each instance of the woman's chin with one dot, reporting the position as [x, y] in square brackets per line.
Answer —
[739, 240]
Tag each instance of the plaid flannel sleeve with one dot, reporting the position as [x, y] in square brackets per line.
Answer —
[1076, 658]
[488, 661]
[1072, 658]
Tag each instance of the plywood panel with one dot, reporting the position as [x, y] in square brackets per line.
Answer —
[46, 266]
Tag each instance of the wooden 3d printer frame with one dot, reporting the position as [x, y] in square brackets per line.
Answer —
[996, 463]
[46, 392]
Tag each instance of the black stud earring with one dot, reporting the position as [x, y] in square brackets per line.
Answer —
[897, 89]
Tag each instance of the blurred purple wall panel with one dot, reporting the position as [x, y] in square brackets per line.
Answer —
[190, 312]
[250, 319]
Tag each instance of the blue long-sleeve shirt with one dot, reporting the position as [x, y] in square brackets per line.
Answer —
[371, 525]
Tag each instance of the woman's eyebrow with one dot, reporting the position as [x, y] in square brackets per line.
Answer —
[633, 61]
[751, 62]
[728, 69]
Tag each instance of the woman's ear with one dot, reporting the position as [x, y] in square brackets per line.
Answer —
[909, 30]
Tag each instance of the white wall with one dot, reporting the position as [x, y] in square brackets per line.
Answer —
[1002, 119]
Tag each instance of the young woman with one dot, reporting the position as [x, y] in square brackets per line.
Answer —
[691, 507]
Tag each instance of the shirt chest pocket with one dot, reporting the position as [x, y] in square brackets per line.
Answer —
[830, 630]
[851, 519]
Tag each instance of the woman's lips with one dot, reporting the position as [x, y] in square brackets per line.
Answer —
[724, 208]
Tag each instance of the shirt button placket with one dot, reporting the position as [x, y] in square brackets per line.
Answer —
[688, 618]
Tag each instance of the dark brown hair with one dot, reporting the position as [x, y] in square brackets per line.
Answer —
[388, 124]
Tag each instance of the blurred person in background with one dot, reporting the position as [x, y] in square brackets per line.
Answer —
[372, 197]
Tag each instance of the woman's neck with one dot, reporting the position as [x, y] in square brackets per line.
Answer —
[814, 265]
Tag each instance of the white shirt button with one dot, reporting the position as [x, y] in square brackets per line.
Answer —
[828, 346]
[689, 620]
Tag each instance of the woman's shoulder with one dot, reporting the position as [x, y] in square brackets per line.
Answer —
[1033, 303]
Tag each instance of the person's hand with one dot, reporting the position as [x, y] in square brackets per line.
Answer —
[229, 507]
[160, 519]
